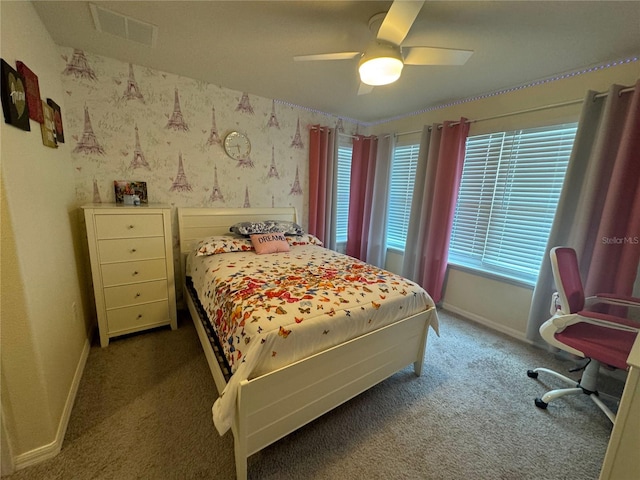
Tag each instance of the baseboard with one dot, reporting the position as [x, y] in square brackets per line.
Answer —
[486, 322]
[52, 449]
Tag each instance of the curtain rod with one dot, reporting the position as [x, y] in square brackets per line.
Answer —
[529, 110]
[314, 127]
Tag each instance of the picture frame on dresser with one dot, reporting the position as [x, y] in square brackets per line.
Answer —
[131, 256]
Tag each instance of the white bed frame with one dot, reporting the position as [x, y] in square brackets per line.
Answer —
[309, 387]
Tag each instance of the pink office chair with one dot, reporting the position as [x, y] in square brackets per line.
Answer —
[602, 338]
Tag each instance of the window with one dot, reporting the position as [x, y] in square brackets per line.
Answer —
[511, 183]
[403, 175]
[342, 191]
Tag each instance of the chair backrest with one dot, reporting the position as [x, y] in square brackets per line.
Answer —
[566, 273]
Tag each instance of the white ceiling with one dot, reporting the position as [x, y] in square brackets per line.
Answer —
[249, 46]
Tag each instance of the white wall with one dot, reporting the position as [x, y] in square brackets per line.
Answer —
[503, 305]
[43, 344]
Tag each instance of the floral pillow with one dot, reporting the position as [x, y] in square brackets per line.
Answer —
[222, 244]
[269, 243]
[267, 226]
[306, 239]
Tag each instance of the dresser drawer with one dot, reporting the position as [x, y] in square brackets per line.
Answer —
[119, 226]
[133, 272]
[126, 295]
[137, 317]
[128, 249]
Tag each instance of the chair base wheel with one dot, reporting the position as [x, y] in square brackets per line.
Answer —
[532, 374]
[540, 404]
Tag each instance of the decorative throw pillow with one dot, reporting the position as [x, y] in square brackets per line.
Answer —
[306, 239]
[222, 244]
[268, 226]
[269, 243]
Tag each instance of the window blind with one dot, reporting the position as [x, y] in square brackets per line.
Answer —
[342, 192]
[403, 174]
[510, 187]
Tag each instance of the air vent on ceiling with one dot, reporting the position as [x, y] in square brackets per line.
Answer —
[124, 27]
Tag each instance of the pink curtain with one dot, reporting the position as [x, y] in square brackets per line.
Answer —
[599, 209]
[321, 164]
[616, 254]
[435, 194]
[361, 195]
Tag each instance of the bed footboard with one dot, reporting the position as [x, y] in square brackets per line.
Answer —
[313, 386]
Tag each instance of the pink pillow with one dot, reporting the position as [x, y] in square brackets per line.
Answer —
[269, 243]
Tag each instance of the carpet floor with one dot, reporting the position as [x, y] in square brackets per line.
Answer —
[143, 411]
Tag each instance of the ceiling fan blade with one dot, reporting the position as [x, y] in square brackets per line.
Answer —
[326, 56]
[398, 21]
[364, 89]
[435, 56]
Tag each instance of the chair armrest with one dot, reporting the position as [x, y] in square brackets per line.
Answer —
[613, 299]
[601, 319]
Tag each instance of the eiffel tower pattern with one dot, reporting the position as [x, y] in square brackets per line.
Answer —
[339, 126]
[296, 189]
[273, 120]
[297, 139]
[180, 184]
[96, 192]
[132, 91]
[244, 105]
[79, 66]
[273, 202]
[247, 203]
[245, 163]
[214, 138]
[216, 194]
[272, 169]
[138, 160]
[88, 143]
[176, 121]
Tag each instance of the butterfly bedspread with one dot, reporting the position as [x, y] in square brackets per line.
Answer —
[272, 310]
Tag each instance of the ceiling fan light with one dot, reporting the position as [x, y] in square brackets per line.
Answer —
[381, 65]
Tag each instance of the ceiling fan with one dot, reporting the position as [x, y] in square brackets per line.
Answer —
[382, 62]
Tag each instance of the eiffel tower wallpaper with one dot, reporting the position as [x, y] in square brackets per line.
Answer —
[88, 143]
[216, 194]
[244, 105]
[96, 192]
[180, 184]
[79, 67]
[247, 203]
[273, 120]
[272, 169]
[132, 91]
[173, 140]
[297, 139]
[138, 160]
[176, 121]
[214, 138]
[296, 189]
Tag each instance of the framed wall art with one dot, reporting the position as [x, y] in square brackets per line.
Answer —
[48, 127]
[14, 97]
[33, 92]
[57, 120]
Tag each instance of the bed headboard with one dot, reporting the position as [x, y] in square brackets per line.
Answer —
[195, 224]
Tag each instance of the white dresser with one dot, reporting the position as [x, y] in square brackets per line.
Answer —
[132, 267]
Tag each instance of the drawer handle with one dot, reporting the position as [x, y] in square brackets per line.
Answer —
[135, 273]
[130, 227]
[133, 250]
[137, 294]
[139, 316]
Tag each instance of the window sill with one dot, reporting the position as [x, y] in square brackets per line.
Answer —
[504, 278]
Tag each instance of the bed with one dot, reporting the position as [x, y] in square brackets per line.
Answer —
[267, 396]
